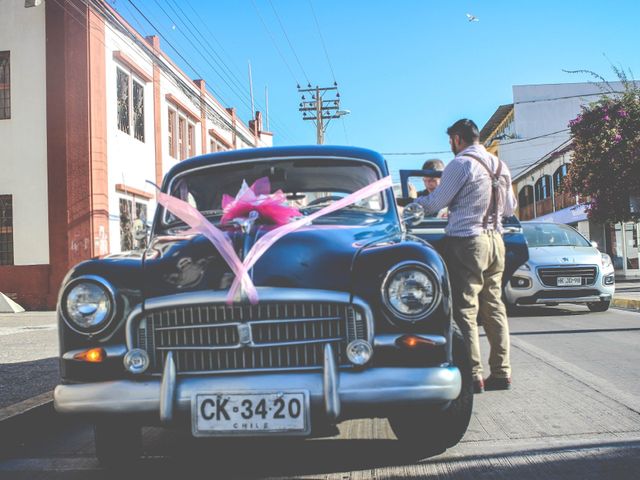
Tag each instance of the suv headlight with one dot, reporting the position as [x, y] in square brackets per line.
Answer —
[410, 291]
[606, 260]
[88, 304]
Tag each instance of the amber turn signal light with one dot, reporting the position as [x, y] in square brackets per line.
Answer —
[93, 355]
[414, 341]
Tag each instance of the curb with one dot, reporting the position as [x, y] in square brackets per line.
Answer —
[22, 419]
[626, 303]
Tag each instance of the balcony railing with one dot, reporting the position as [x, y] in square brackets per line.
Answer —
[544, 206]
[526, 212]
[564, 200]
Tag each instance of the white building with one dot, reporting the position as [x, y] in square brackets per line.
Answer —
[89, 111]
[532, 136]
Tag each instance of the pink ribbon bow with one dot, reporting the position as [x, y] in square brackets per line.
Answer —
[269, 206]
[192, 217]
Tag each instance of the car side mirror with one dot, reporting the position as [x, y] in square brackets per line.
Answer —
[594, 244]
[412, 214]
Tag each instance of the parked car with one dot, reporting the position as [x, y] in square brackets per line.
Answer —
[353, 318]
[563, 267]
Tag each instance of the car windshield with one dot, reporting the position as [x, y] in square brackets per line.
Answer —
[552, 235]
[309, 184]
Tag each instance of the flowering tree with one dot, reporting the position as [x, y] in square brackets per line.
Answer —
[606, 154]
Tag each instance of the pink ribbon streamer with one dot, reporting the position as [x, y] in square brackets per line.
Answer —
[192, 217]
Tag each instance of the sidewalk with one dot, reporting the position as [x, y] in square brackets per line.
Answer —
[627, 294]
[28, 361]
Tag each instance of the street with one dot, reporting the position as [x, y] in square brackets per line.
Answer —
[574, 412]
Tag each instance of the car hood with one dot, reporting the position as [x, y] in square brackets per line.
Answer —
[562, 255]
[318, 256]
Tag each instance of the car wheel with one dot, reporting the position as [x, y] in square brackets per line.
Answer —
[117, 443]
[429, 430]
[602, 306]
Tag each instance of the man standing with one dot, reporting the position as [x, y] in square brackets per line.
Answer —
[476, 187]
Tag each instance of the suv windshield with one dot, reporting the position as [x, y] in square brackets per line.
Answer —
[553, 235]
[309, 184]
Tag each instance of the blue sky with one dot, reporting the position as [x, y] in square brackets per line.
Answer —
[406, 69]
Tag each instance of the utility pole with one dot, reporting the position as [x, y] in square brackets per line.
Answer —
[323, 105]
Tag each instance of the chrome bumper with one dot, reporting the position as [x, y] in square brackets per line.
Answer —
[338, 394]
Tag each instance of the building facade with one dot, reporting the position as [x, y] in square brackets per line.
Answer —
[532, 136]
[89, 112]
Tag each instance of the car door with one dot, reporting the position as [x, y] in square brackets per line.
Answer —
[432, 229]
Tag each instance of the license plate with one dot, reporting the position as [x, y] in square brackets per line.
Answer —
[569, 281]
[251, 414]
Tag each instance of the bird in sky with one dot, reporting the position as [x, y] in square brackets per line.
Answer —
[472, 18]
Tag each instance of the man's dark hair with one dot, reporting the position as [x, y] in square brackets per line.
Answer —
[433, 164]
[465, 129]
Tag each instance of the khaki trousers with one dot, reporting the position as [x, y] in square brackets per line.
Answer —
[475, 266]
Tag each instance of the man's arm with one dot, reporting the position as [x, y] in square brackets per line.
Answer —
[453, 178]
[510, 201]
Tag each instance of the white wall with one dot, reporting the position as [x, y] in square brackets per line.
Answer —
[130, 161]
[540, 110]
[23, 137]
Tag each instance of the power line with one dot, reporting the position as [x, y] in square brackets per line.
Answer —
[326, 53]
[289, 42]
[601, 94]
[283, 130]
[273, 40]
[501, 144]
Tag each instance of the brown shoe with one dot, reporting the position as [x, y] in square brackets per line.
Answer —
[478, 385]
[497, 383]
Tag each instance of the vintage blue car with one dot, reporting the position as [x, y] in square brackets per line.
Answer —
[353, 318]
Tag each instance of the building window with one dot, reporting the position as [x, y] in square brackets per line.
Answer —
[172, 133]
[5, 86]
[191, 136]
[6, 230]
[133, 225]
[558, 176]
[130, 106]
[123, 101]
[138, 111]
[543, 188]
[182, 144]
[215, 146]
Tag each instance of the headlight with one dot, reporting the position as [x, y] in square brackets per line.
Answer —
[410, 291]
[88, 304]
[606, 260]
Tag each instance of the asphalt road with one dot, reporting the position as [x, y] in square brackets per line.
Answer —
[574, 412]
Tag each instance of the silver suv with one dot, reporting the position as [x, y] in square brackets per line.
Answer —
[563, 267]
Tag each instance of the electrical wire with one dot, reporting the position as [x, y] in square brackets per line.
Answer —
[282, 129]
[324, 46]
[273, 40]
[289, 42]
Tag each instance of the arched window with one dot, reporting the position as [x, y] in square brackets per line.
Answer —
[543, 188]
[525, 196]
[558, 177]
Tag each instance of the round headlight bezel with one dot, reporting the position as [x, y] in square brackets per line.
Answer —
[110, 294]
[393, 313]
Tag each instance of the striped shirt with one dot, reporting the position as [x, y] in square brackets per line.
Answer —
[465, 187]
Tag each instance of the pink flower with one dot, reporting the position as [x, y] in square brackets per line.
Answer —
[617, 138]
[623, 113]
[606, 118]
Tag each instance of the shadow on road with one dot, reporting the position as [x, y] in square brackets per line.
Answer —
[22, 380]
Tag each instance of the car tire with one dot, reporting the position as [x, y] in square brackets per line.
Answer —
[118, 444]
[602, 306]
[429, 430]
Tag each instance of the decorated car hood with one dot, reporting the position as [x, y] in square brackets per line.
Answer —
[187, 262]
[564, 255]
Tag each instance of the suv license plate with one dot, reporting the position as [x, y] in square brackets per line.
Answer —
[569, 281]
[251, 414]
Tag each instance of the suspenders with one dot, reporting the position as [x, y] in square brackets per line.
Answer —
[495, 185]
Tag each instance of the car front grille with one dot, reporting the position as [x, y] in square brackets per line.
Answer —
[549, 275]
[219, 338]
